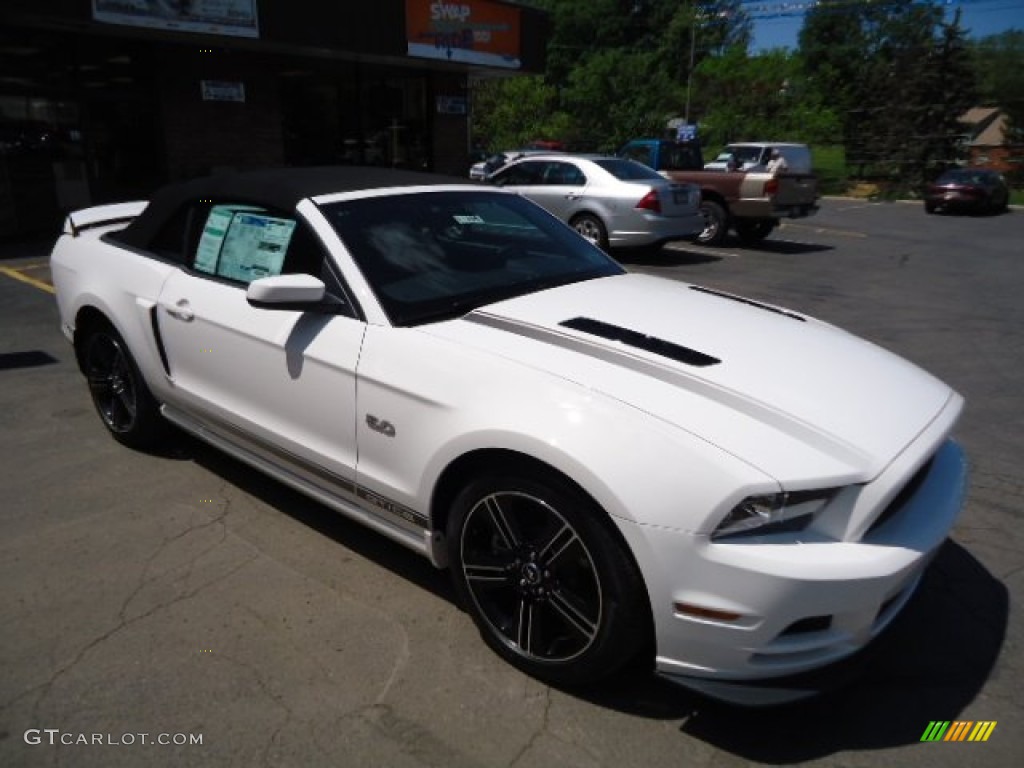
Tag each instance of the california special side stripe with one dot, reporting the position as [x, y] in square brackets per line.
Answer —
[307, 471]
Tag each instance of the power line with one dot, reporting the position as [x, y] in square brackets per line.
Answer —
[759, 10]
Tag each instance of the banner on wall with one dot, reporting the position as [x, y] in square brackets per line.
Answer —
[214, 17]
[466, 31]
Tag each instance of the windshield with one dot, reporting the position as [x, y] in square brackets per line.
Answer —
[966, 177]
[628, 170]
[745, 154]
[432, 256]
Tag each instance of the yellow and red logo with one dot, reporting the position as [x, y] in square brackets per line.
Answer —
[958, 730]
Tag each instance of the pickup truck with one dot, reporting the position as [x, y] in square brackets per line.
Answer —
[751, 202]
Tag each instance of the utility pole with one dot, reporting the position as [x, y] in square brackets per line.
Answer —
[689, 71]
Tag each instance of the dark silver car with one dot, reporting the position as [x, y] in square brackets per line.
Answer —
[611, 201]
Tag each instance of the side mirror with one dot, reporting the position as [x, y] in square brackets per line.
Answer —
[294, 292]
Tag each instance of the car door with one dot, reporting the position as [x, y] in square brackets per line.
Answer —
[277, 381]
[562, 189]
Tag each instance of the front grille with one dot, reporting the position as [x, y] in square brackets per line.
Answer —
[808, 625]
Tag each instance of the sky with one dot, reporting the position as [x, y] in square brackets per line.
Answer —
[777, 22]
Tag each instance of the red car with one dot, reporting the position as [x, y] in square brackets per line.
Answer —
[968, 189]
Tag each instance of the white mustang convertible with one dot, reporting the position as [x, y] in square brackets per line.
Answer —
[611, 465]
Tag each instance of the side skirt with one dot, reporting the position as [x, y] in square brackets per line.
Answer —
[387, 517]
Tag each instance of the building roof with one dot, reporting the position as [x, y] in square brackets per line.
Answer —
[987, 126]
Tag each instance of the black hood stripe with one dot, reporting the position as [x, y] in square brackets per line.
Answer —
[639, 340]
[748, 302]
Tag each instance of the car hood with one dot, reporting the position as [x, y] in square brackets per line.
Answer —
[768, 385]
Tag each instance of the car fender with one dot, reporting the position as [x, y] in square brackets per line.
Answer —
[456, 400]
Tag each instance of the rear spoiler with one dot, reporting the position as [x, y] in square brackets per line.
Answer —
[102, 216]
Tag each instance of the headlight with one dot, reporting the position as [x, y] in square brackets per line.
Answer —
[773, 513]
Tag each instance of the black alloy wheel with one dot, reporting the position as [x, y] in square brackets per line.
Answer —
[549, 586]
[120, 395]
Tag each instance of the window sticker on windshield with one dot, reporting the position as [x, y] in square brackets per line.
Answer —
[468, 219]
[213, 237]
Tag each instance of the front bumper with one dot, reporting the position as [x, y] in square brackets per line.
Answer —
[784, 605]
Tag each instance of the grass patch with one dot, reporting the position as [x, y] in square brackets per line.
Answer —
[830, 166]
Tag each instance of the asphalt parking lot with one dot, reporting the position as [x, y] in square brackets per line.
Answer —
[182, 594]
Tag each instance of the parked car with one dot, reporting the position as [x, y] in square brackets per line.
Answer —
[750, 201]
[976, 190]
[481, 170]
[611, 201]
[609, 464]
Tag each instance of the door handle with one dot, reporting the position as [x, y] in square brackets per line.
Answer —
[181, 310]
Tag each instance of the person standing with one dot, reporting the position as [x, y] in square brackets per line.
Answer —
[778, 163]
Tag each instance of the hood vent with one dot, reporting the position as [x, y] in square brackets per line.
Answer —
[640, 341]
[748, 302]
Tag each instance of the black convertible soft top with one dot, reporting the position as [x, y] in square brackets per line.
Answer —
[280, 188]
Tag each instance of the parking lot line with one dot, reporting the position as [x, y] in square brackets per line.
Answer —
[17, 275]
[826, 230]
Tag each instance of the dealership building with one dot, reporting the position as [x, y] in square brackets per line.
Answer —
[104, 100]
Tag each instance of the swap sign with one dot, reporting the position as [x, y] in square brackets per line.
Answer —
[469, 32]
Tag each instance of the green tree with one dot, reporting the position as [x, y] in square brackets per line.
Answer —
[615, 69]
[998, 62]
[999, 67]
[511, 112]
[760, 97]
[898, 76]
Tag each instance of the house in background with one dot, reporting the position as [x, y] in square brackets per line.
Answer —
[987, 141]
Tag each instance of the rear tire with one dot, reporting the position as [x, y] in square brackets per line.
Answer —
[123, 401]
[549, 585]
[752, 231]
[716, 223]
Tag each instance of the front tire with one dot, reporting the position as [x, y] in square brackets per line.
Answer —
[547, 582]
[123, 401]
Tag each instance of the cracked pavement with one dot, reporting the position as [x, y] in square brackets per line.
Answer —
[185, 593]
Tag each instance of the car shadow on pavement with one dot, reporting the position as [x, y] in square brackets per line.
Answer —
[930, 665]
[782, 247]
[673, 255]
[348, 533]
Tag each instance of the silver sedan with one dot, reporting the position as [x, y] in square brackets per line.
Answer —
[611, 201]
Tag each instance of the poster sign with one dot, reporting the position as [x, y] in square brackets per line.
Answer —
[465, 31]
[214, 17]
[686, 132]
[452, 105]
[222, 90]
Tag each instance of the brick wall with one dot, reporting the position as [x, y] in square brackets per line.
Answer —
[450, 131]
[201, 136]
